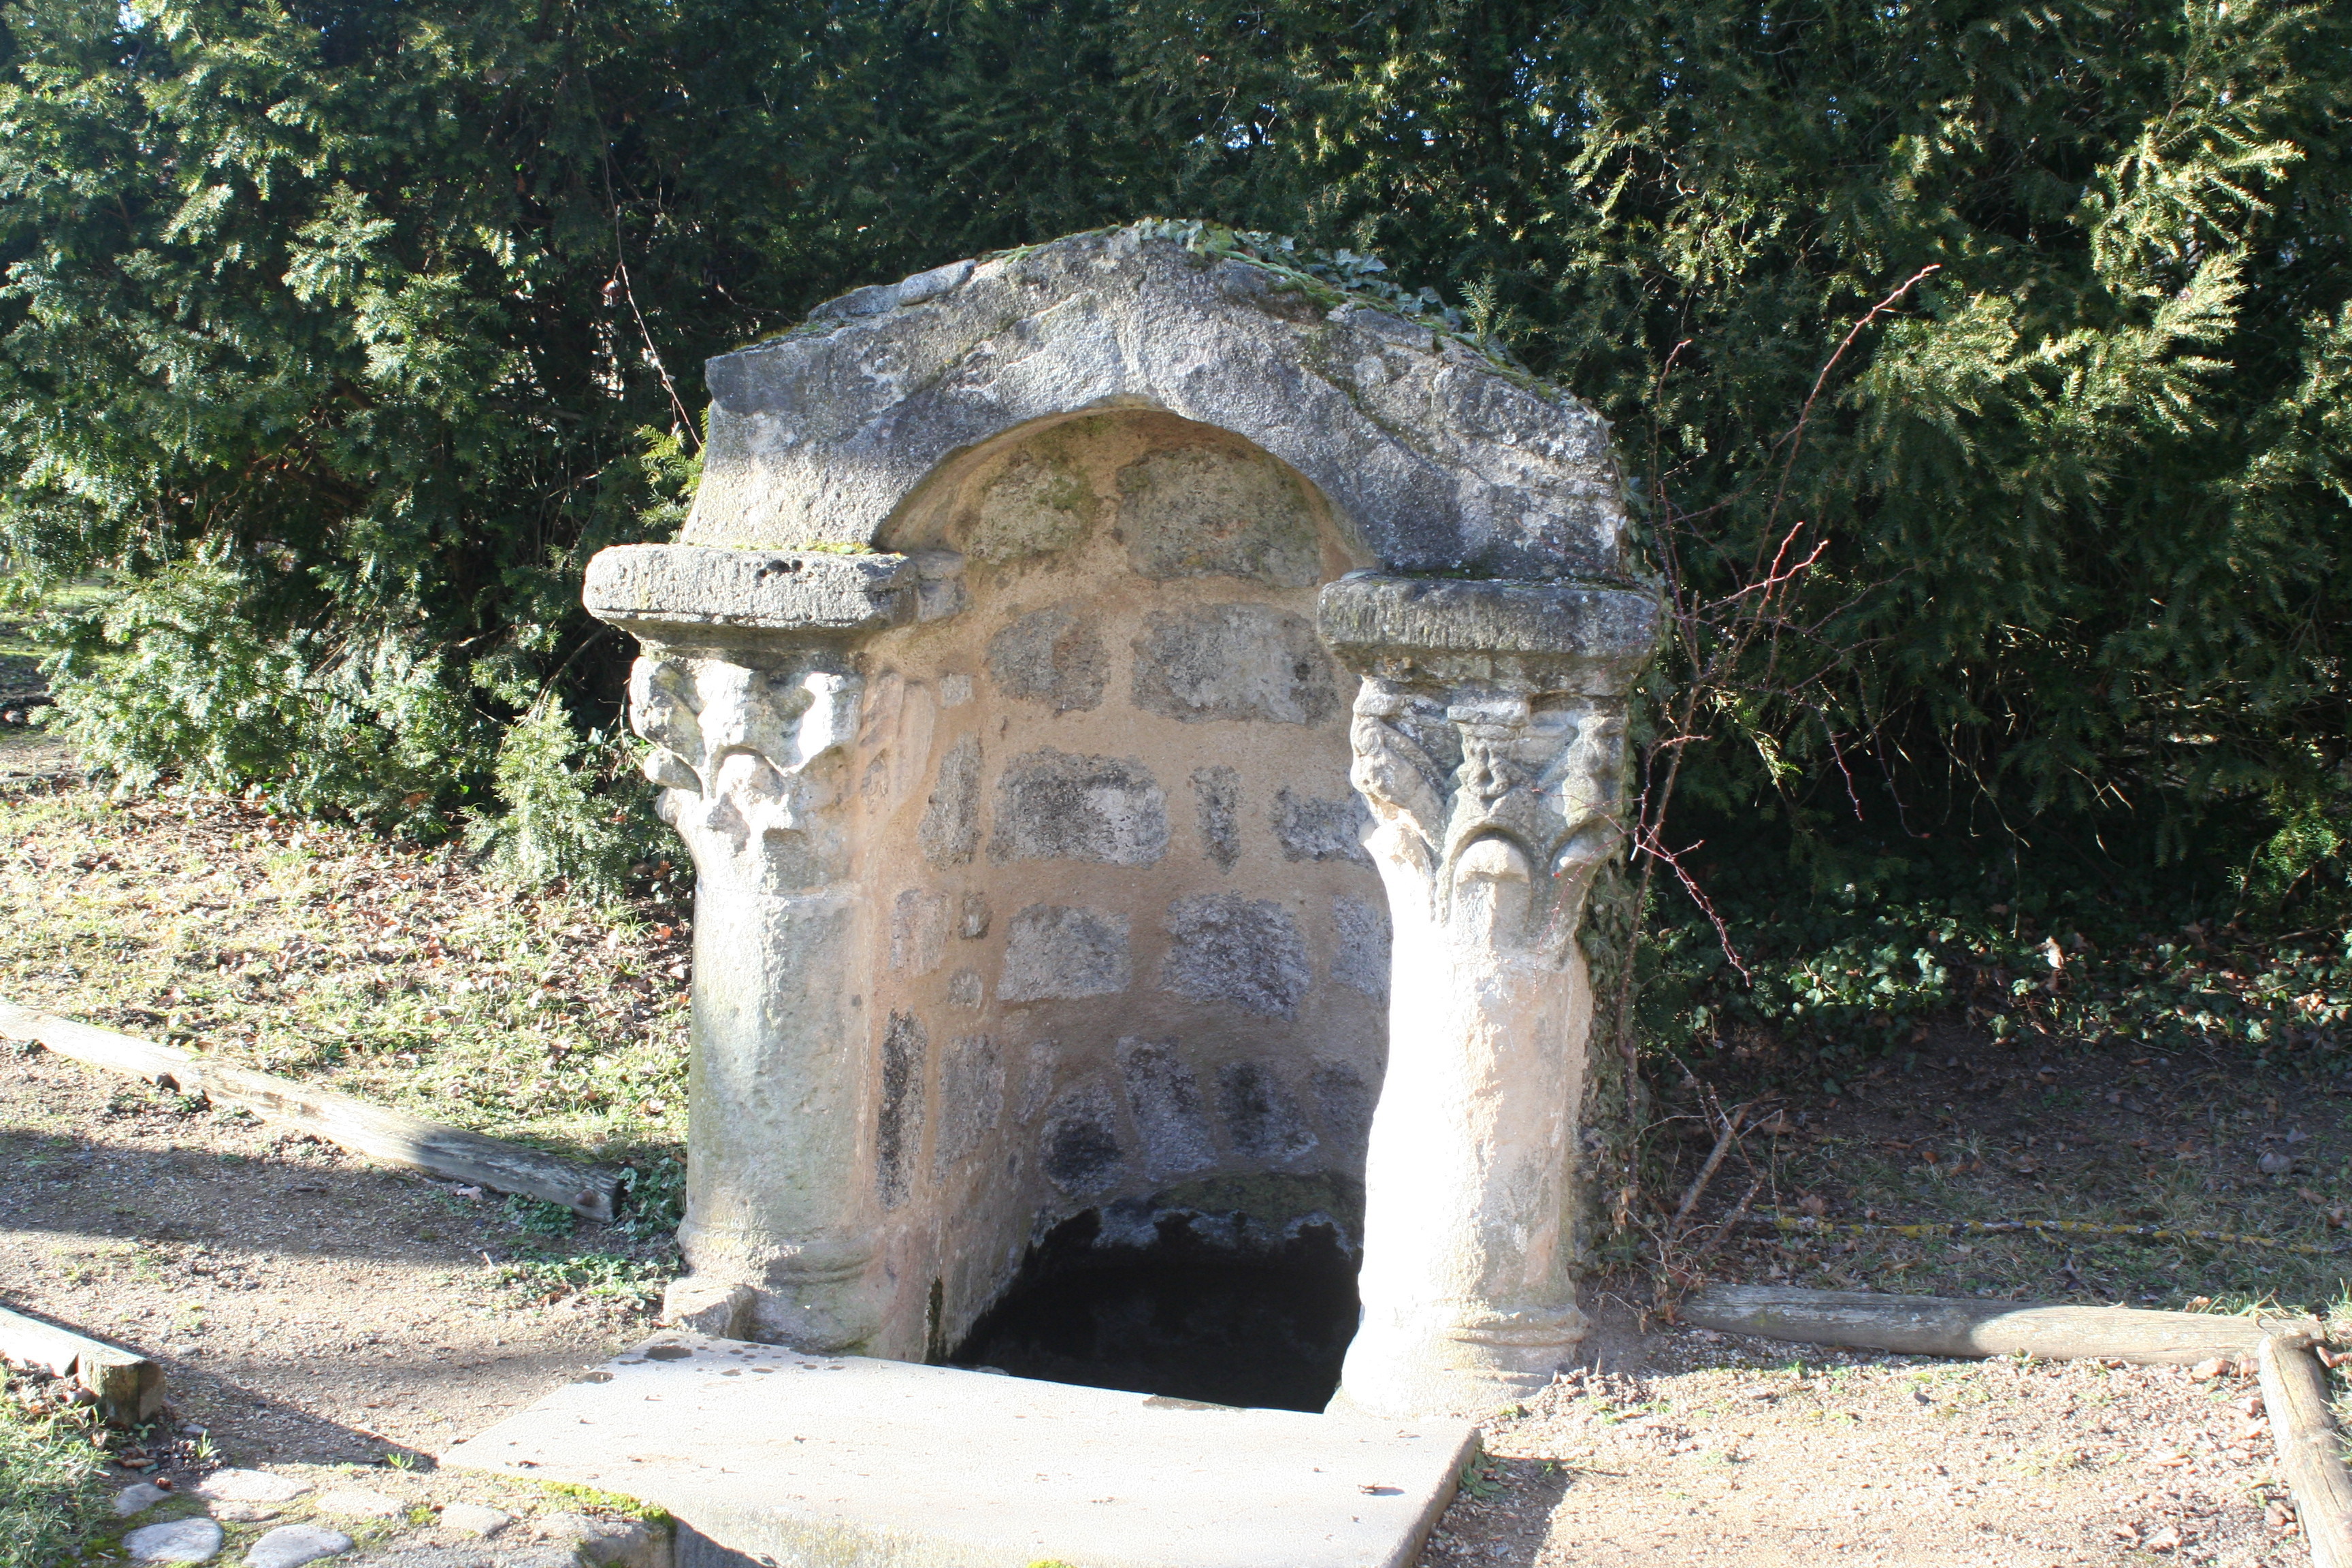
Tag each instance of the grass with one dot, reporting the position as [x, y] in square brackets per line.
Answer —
[324, 953]
[53, 1494]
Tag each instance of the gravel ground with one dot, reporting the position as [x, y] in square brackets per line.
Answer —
[1716, 1449]
[306, 1307]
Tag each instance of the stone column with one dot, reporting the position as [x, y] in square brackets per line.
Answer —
[748, 692]
[1489, 741]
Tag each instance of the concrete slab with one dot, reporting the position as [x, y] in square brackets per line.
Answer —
[841, 1462]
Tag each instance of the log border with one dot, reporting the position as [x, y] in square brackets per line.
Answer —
[128, 1388]
[392, 1136]
[2294, 1383]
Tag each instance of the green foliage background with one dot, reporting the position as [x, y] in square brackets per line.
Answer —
[315, 333]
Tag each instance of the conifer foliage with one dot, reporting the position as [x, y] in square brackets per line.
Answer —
[342, 335]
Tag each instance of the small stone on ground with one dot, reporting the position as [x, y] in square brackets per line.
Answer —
[473, 1518]
[181, 1541]
[250, 1486]
[138, 1499]
[291, 1546]
[602, 1541]
[352, 1504]
[243, 1512]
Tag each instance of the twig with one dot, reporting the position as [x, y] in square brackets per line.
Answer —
[1706, 1171]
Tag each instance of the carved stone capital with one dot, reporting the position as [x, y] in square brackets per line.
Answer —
[737, 752]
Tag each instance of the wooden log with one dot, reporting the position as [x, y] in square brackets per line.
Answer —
[129, 1387]
[1938, 1325]
[2310, 1449]
[392, 1136]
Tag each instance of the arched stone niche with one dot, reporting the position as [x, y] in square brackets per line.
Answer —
[1138, 955]
[1075, 665]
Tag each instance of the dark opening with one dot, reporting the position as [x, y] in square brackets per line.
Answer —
[1181, 1317]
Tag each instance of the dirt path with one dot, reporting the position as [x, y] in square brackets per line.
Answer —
[306, 1307]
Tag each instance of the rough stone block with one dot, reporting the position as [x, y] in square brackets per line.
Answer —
[1042, 1063]
[899, 1134]
[291, 1546]
[1247, 663]
[1224, 947]
[965, 989]
[473, 1518]
[1207, 511]
[949, 833]
[1217, 799]
[972, 916]
[972, 1098]
[1079, 1148]
[1343, 1102]
[1263, 1119]
[1054, 951]
[1165, 1099]
[249, 1486]
[1054, 805]
[1036, 508]
[720, 1308]
[1361, 960]
[918, 932]
[1311, 828]
[856, 1463]
[181, 1541]
[1054, 656]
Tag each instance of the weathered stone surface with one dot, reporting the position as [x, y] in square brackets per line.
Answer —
[1224, 947]
[291, 1546]
[607, 1542]
[950, 828]
[972, 1098]
[1443, 459]
[508, 1554]
[1054, 805]
[249, 1486]
[1343, 1102]
[1078, 1147]
[1036, 508]
[1556, 637]
[1236, 662]
[899, 1134]
[473, 1518]
[972, 916]
[1207, 511]
[682, 593]
[1054, 951]
[745, 746]
[1165, 1099]
[918, 932]
[722, 1308]
[1361, 962]
[1311, 828]
[1217, 799]
[848, 1460]
[181, 1541]
[138, 1499]
[1054, 656]
[965, 988]
[355, 1502]
[1263, 1121]
[1042, 1065]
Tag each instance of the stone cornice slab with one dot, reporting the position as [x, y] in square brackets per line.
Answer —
[1590, 638]
[683, 595]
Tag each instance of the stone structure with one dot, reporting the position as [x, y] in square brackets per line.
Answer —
[1130, 716]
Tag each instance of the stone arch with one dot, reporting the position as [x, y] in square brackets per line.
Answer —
[1436, 457]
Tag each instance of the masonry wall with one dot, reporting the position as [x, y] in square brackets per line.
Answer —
[1130, 954]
